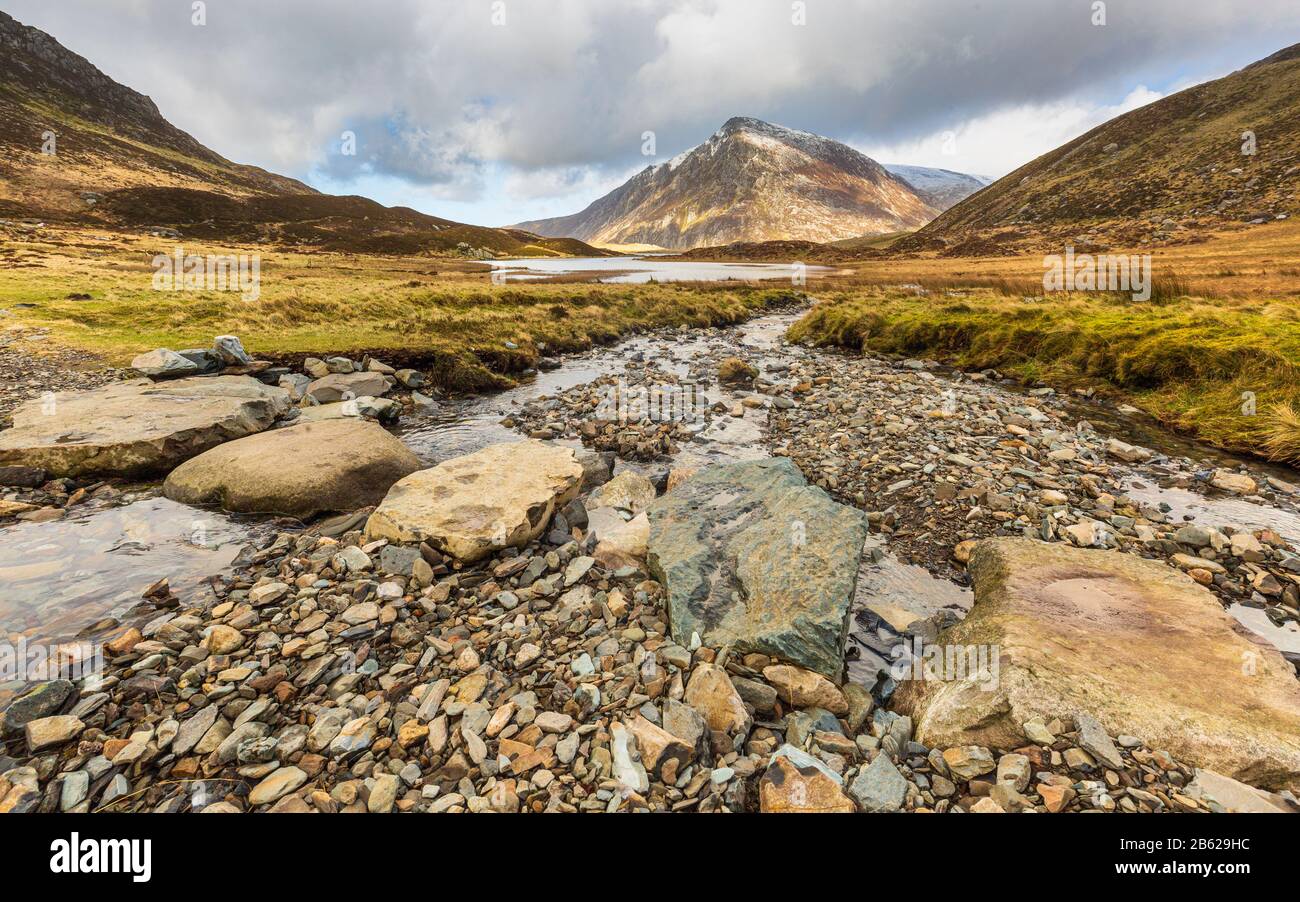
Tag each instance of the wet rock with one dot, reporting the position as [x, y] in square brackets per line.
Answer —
[43, 700]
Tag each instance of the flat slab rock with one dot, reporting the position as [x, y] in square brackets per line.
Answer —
[755, 558]
[139, 427]
[470, 506]
[298, 471]
[1132, 642]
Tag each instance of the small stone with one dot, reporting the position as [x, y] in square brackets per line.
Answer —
[383, 794]
[1014, 770]
[969, 761]
[276, 786]
[553, 722]
[1094, 740]
[48, 732]
[879, 786]
[1236, 483]
[711, 693]
[1037, 733]
[796, 782]
[805, 689]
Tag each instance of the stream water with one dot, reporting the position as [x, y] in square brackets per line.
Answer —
[58, 579]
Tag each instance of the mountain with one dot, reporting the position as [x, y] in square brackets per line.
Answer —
[118, 162]
[1170, 172]
[942, 188]
[751, 182]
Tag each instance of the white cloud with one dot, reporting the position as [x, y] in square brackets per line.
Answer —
[1001, 142]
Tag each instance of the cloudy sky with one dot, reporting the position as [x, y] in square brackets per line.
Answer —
[496, 111]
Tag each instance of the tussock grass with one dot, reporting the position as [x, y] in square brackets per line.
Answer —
[1282, 441]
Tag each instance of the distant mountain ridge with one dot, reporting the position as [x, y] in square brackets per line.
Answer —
[106, 136]
[752, 181]
[943, 188]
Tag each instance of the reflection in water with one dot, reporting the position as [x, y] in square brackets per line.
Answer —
[61, 576]
[1217, 512]
[890, 595]
[1285, 638]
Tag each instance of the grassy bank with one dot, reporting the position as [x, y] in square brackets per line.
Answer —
[1188, 362]
[442, 314]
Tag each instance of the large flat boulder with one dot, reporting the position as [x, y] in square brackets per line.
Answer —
[299, 471]
[137, 428]
[470, 506]
[755, 558]
[1132, 642]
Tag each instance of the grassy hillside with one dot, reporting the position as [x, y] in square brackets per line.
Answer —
[1163, 174]
[117, 162]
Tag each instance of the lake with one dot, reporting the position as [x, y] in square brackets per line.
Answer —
[646, 269]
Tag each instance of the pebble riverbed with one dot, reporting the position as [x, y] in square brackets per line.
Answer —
[304, 669]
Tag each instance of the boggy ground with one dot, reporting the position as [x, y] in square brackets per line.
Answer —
[92, 291]
[1222, 322]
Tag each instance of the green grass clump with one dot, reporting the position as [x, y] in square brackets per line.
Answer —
[1196, 365]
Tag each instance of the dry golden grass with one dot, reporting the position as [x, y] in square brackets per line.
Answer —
[93, 291]
[1224, 319]
[1238, 264]
[1282, 440]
